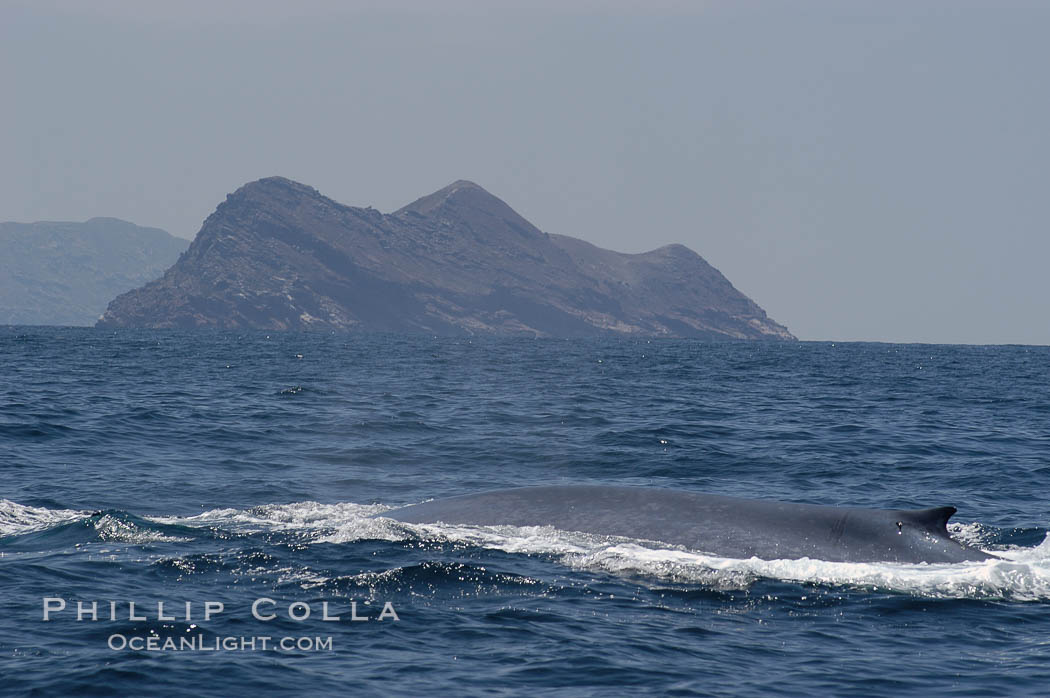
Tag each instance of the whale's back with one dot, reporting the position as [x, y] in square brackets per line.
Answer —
[721, 525]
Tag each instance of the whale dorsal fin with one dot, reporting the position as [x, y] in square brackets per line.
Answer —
[935, 519]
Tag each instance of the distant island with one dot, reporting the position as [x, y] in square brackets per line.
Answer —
[64, 273]
[278, 255]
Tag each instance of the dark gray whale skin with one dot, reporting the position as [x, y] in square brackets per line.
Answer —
[720, 525]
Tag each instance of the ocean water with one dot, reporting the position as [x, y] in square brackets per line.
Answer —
[242, 468]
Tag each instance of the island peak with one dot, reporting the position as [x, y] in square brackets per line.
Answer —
[462, 192]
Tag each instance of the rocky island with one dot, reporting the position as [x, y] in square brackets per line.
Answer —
[278, 255]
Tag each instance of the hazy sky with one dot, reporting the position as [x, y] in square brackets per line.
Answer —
[863, 170]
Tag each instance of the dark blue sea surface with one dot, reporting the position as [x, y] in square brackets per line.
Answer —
[243, 467]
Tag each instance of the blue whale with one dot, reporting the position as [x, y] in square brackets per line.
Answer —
[715, 524]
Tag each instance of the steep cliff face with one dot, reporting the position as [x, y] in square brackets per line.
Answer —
[64, 273]
[279, 255]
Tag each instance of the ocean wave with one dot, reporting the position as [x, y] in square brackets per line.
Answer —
[81, 526]
[1022, 574]
[18, 519]
[298, 516]
[123, 529]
